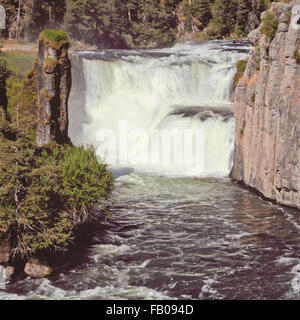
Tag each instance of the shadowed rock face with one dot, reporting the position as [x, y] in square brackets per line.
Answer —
[54, 85]
[203, 113]
[267, 113]
[3, 96]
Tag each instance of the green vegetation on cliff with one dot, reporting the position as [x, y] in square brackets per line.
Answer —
[296, 56]
[269, 25]
[241, 66]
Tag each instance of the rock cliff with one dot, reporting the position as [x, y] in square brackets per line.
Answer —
[54, 85]
[267, 108]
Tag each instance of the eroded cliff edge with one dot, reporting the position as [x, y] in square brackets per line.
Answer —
[267, 111]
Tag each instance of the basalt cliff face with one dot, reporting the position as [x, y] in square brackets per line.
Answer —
[54, 85]
[267, 111]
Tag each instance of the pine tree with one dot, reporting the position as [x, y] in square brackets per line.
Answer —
[188, 15]
[244, 8]
[224, 15]
[98, 22]
[201, 10]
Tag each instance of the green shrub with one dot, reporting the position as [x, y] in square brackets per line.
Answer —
[258, 58]
[241, 66]
[296, 56]
[84, 180]
[46, 193]
[269, 25]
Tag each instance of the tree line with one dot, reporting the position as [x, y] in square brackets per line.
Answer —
[130, 23]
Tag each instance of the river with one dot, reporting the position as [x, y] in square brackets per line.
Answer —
[179, 229]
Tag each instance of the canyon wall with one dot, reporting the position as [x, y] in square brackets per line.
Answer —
[267, 110]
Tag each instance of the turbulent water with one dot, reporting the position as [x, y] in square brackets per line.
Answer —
[177, 231]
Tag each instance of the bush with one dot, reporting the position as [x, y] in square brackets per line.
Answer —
[269, 25]
[241, 66]
[296, 56]
[84, 181]
[46, 193]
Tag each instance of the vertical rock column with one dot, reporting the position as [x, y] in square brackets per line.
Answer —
[54, 85]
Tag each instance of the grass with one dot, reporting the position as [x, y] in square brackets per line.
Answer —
[20, 64]
[54, 35]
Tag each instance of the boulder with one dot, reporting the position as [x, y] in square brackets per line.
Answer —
[36, 270]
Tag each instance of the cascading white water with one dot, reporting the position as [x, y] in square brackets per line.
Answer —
[2, 277]
[133, 94]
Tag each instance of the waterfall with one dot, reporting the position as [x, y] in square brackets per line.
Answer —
[134, 98]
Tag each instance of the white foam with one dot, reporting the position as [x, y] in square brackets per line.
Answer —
[296, 280]
[142, 90]
[287, 261]
[104, 251]
[123, 293]
[207, 290]
[46, 291]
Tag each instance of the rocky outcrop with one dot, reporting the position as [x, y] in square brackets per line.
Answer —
[267, 111]
[54, 85]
